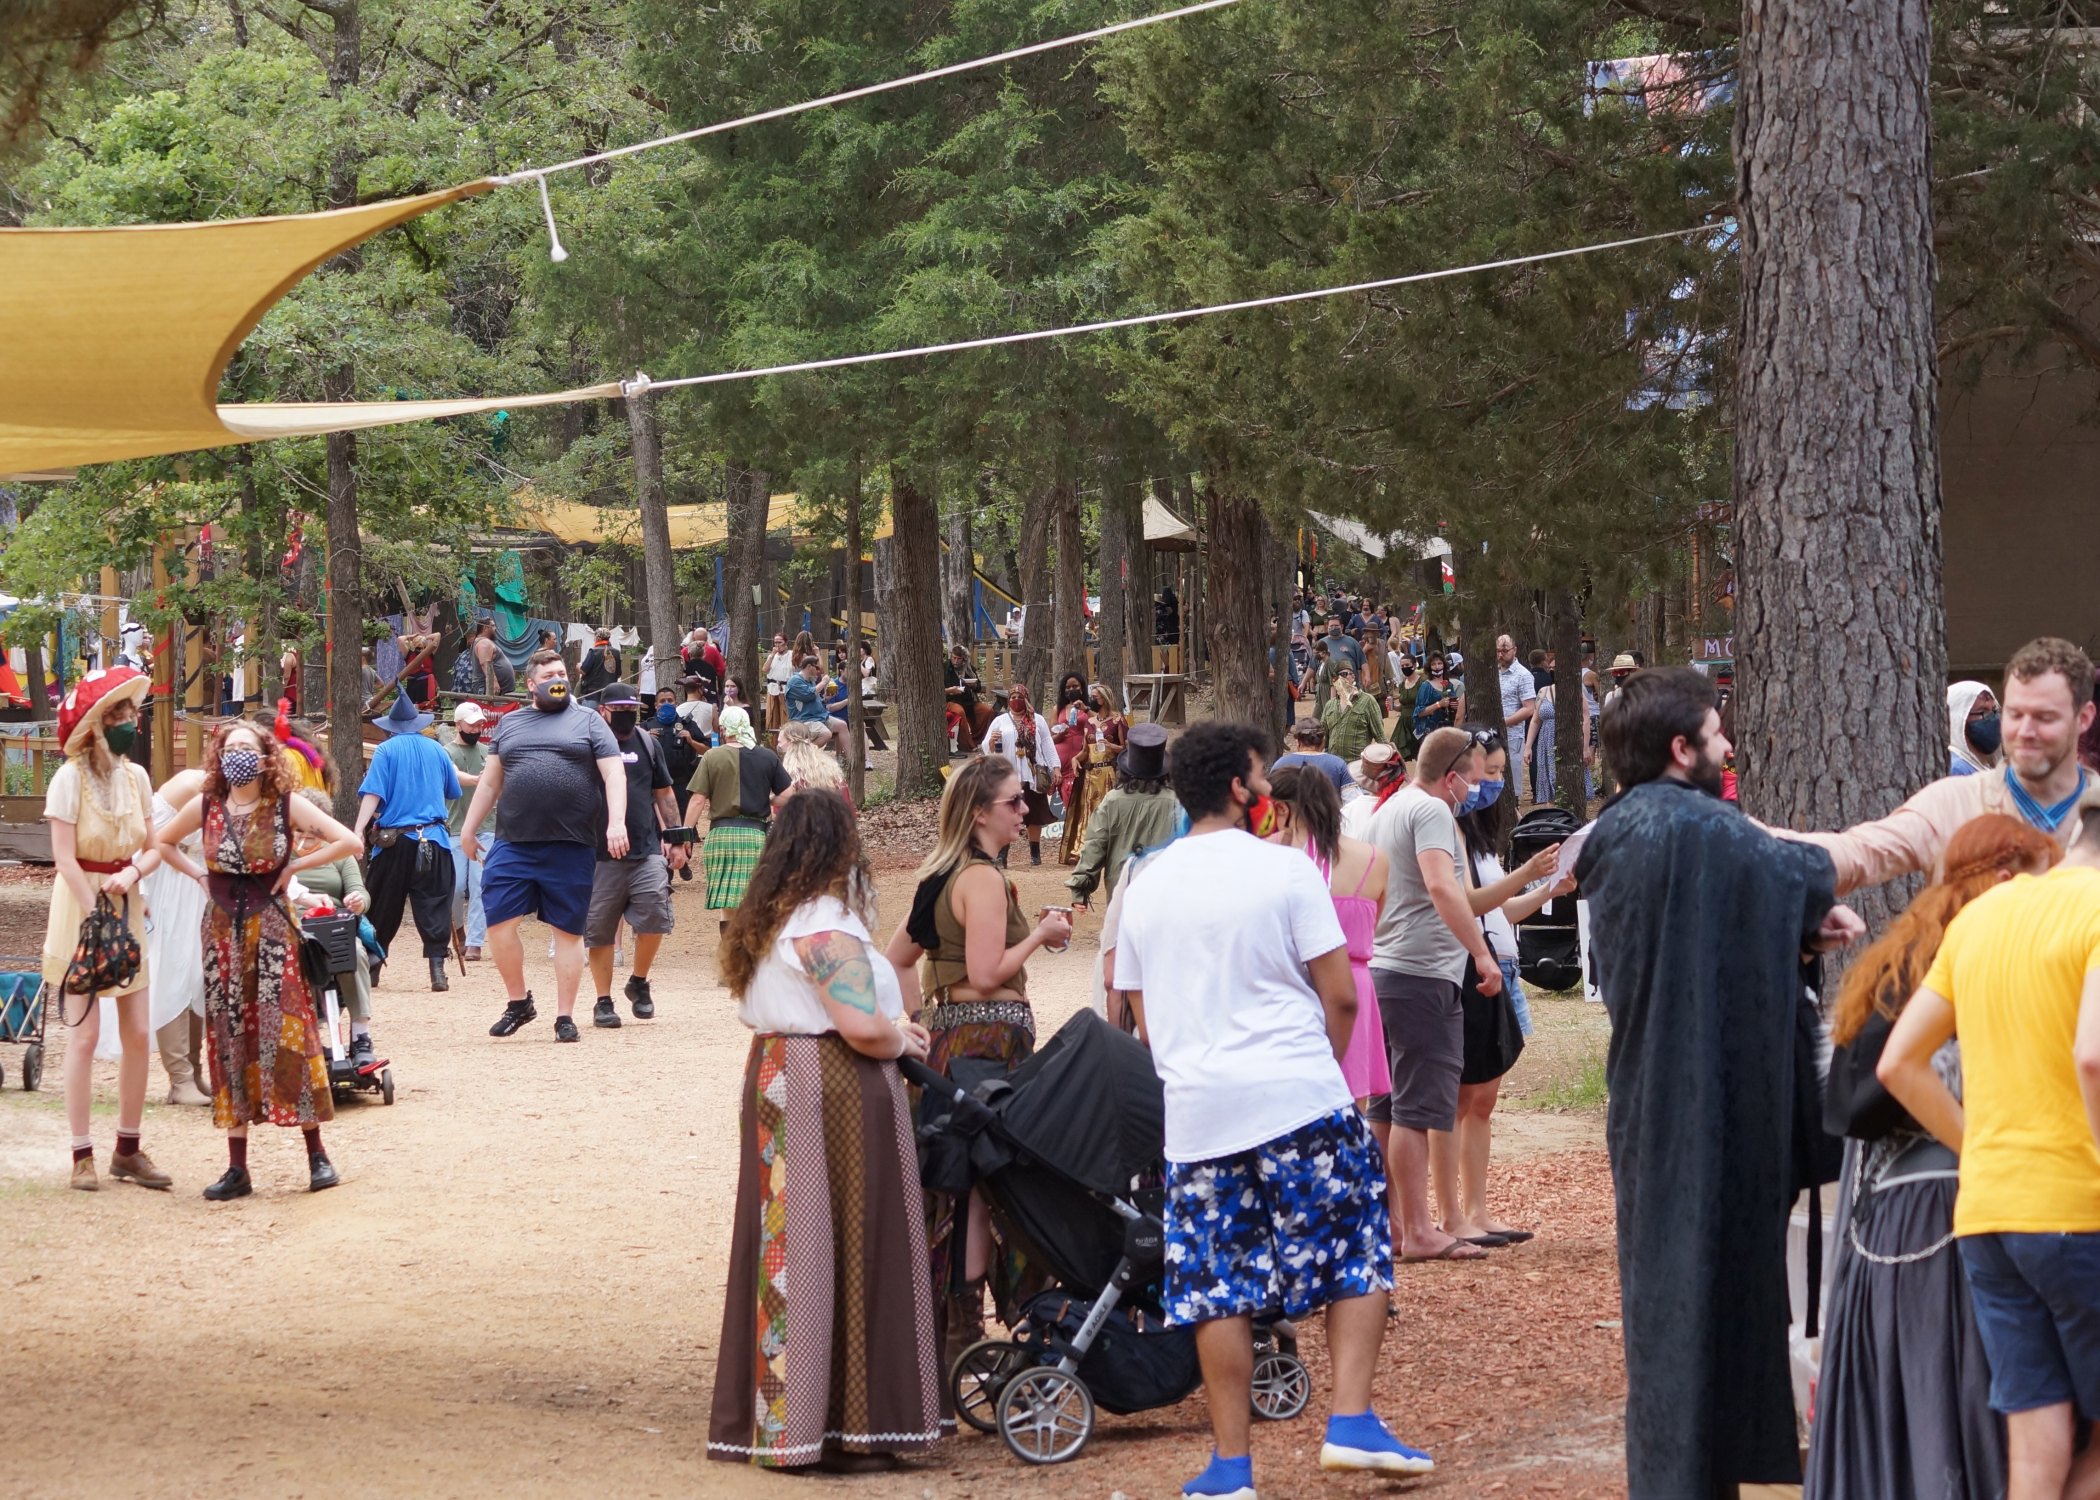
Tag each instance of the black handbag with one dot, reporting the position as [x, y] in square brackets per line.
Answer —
[1855, 1103]
[106, 958]
[1493, 1039]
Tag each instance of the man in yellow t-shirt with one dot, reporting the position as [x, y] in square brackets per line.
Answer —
[2017, 978]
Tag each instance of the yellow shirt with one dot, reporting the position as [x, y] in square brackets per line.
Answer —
[2013, 965]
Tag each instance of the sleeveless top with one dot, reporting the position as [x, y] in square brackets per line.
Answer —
[1357, 912]
[935, 927]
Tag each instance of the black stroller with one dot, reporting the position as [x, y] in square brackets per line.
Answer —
[1067, 1151]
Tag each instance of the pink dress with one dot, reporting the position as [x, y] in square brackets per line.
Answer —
[1364, 1064]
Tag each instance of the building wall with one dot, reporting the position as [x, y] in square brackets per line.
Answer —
[2020, 471]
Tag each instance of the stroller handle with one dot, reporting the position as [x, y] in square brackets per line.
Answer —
[919, 1076]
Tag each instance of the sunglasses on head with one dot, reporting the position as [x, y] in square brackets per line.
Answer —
[1487, 739]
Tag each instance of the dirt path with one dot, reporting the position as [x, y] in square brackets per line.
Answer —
[517, 1290]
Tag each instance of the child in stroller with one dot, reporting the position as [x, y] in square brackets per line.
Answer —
[1067, 1152]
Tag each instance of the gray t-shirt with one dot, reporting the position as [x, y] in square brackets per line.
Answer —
[551, 787]
[1412, 938]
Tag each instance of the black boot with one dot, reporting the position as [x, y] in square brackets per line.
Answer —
[438, 981]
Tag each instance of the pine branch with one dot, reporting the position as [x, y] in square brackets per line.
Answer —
[1670, 15]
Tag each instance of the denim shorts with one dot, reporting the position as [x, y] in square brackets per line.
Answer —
[551, 880]
[1288, 1227]
[1517, 998]
[2037, 1300]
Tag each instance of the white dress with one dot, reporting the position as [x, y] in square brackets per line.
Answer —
[174, 946]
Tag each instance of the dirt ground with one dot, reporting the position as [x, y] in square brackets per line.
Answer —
[517, 1290]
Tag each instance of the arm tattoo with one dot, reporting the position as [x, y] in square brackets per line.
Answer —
[838, 962]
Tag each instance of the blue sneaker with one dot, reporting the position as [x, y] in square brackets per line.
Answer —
[1225, 1479]
[1361, 1445]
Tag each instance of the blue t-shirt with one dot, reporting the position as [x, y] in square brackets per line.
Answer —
[1333, 767]
[414, 780]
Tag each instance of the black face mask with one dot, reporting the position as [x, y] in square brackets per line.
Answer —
[623, 721]
[470, 739]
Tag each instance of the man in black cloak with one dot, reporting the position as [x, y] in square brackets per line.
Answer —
[1699, 920]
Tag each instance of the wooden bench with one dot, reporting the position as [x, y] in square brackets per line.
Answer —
[1158, 693]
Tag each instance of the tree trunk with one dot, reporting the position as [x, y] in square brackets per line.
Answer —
[1039, 622]
[1070, 643]
[743, 570]
[856, 716]
[659, 572]
[959, 570]
[1239, 630]
[264, 569]
[1280, 576]
[1565, 641]
[912, 629]
[346, 610]
[1837, 482]
[1113, 629]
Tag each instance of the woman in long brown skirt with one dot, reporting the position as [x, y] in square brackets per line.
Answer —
[827, 1354]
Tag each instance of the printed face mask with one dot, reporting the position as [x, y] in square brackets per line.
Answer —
[551, 695]
[1261, 817]
[240, 767]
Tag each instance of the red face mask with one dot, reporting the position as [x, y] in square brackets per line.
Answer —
[1261, 817]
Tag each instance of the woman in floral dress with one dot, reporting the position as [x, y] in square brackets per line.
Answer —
[266, 1060]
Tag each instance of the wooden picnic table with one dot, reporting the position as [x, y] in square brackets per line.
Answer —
[1158, 693]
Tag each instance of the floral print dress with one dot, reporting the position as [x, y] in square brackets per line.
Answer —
[267, 1066]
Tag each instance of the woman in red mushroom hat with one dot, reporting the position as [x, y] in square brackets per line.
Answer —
[100, 807]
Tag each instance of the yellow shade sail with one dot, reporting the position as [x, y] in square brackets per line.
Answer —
[113, 340]
[704, 525]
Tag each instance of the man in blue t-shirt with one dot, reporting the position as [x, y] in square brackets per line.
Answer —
[1309, 749]
[405, 799]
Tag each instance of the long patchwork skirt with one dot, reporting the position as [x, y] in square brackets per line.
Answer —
[827, 1329]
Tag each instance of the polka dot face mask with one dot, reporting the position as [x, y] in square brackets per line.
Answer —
[240, 766]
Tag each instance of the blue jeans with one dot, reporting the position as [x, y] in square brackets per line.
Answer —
[1513, 740]
[1515, 987]
[466, 897]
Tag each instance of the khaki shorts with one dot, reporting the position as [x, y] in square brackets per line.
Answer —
[637, 889]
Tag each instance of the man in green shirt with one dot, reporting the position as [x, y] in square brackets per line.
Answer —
[1138, 814]
[469, 926]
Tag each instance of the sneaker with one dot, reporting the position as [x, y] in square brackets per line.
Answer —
[565, 1028]
[1225, 1479]
[1361, 1445]
[639, 997]
[363, 1054]
[602, 1014]
[515, 1014]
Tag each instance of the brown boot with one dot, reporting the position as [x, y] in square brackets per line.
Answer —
[84, 1176]
[174, 1040]
[138, 1167]
[965, 1321]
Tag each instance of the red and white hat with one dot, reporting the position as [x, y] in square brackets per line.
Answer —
[93, 697]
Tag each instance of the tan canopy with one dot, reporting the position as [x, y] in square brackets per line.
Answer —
[1165, 531]
[116, 338]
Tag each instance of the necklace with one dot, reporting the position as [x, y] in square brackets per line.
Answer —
[2047, 819]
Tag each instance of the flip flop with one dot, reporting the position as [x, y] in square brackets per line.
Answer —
[1515, 1236]
[1456, 1250]
[1489, 1241]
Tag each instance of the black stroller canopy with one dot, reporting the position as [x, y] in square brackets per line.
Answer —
[1089, 1105]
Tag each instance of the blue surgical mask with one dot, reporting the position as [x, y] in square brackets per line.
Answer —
[1985, 734]
[1486, 794]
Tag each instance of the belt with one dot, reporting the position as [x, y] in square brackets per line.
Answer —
[945, 1013]
[237, 893]
[103, 866]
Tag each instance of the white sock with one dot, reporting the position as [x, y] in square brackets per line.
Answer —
[83, 1142]
[358, 1029]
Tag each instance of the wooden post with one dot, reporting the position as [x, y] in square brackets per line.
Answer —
[111, 625]
[161, 754]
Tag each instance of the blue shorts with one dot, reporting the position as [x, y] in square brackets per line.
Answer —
[1290, 1226]
[2037, 1300]
[549, 880]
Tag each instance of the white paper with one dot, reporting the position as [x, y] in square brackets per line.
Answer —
[1570, 851]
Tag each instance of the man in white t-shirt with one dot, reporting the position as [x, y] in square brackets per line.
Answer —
[1426, 931]
[1520, 707]
[1238, 974]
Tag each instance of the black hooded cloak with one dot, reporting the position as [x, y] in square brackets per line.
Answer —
[1698, 922]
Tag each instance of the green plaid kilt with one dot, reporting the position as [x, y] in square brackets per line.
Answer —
[729, 856]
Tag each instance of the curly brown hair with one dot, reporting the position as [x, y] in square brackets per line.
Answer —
[813, 850]
[273, 785]
[1983, 852]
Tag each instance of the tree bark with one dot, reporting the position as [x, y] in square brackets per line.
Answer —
[1070, 642]
[1239, 628]
[856, 715]
[1837, 482]
[959, 569]
[1565, 640]
[743, 570]
[912, 629]
[1113, 629]
[659, 570]
[1039, 622]
[1280, 576]
[346, 610]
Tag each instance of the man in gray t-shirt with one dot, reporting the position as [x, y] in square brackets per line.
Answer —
[1426, 931]
[555, 779]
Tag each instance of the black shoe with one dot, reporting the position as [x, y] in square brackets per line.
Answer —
[438, 981]
[1035, 854]
[685, 872]
[639, 997]
[322, 1174]
[565, 1028]
[602, 1014]
[362, 1053]
[234, 1184]
[515, 1014]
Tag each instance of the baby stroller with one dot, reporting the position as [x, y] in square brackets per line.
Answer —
[1548, 945]
[332, 950]
[1067, 1151]
[22, 1015]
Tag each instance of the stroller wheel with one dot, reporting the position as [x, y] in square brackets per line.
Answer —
[980, 1374]
[1045, 1415]
[1281, 1387]
[32, 1066]
[386, 1085]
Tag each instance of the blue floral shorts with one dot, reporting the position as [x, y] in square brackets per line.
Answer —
[1288, 1227]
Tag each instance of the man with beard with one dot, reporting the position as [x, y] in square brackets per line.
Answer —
[2048, 703]
[1699, 922]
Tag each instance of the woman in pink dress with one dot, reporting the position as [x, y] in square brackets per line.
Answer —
[1309, 817]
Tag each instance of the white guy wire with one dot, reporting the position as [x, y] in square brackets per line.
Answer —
[861, 93]
[643, 383]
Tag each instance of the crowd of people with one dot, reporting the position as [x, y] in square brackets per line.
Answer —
[1330, 1022]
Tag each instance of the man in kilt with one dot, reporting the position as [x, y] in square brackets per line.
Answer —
[737, 785]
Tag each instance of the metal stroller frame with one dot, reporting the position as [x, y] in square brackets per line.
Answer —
[28, 1029]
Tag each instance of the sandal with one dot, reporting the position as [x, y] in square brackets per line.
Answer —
[1456, 1250]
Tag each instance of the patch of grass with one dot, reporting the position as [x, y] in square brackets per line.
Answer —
[881, 789]
[1578, 1091]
